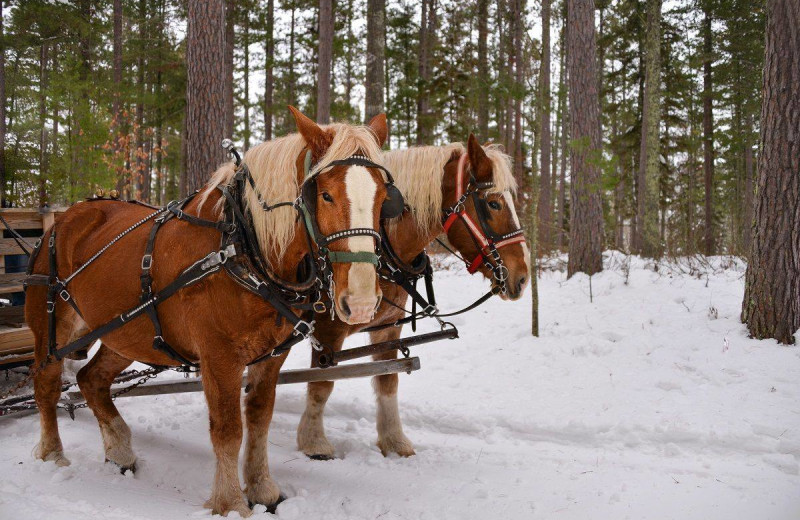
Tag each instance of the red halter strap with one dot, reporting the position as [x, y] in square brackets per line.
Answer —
[485, 244]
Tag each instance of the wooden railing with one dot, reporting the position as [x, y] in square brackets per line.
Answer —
[16, 339]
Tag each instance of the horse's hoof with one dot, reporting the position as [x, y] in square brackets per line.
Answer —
[123, 469]
[271, 508]
[321, 456]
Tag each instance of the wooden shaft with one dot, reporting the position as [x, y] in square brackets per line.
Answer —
[387, 346]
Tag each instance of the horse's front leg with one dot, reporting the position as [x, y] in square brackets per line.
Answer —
[259, 404]
[311, 438]
[391, 438]
[222, 385]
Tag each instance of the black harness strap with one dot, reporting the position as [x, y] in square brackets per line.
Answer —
[201, 269]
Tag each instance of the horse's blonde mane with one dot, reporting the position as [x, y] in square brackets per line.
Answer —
[419, 171]
[273, 166]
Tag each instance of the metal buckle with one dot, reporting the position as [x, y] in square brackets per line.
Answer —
[431, 310]
[319, 307]
[64, 295]
[301, 323]
[219, 257]
[51, 307]
[147, 262]
[52, 241]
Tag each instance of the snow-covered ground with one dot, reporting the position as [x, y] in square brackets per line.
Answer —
[648, 402]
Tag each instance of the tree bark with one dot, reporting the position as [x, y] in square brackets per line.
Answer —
[544, 210]
[230, 43]
[519, 80]
[246, 94]
[771, 306]
[647, 240]
[748, 186]
[426, 32]
[483, 78]
[269, 50]
[116, 109]
[376, 55]
[586, 211]
[325, 60]
[564, 93]
[3, 201]
[139, 169]
[205, 78]
[708, 129]
[43, 134]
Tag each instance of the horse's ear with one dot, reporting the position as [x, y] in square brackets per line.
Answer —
[315, 137]
[481, 165]
[378, 125]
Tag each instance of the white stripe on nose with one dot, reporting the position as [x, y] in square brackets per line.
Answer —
[361, 189]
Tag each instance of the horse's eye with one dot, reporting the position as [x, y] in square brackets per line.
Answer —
[494, 205]
[327, 197]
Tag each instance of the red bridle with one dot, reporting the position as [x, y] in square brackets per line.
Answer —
[486, 240]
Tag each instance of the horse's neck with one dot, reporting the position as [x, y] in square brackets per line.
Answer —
[285, 267]
[408, 240]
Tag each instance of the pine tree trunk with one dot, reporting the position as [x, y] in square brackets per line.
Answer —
[269, 50]
[246, 96]
[519, 80]
[324, 62]
[545, 225]
[586, 211]
[139, 169]
[205, 79]
[43, 135]
[562, 181]
[771, 306]
[376, 54]
[749, 162]
[426, 31]
[708, 130]
[647, 239]
[292, 87]
[3, 200]
[116, 110]
[230, 43]
[483, 78]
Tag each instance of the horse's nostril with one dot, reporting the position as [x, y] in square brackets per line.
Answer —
[521, 282]
[345, 307]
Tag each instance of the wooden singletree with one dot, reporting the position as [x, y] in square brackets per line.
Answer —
[205, 77]
[771, 307]
[586, 210]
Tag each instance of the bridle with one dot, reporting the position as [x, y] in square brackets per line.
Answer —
[486, 240]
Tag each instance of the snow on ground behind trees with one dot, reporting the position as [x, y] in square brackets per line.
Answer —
[649, 402]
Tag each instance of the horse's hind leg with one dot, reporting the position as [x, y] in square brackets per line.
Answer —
[95, 380]
[259, 404]
[311, 438]
[47, 392]
[391, 438]
[47, 382]
[222, 384]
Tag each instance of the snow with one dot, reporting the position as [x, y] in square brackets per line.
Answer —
[648, 402]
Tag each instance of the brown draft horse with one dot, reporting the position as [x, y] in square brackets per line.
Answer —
[215, 321]
[427, 176]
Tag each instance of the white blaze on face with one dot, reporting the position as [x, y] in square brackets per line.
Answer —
[361, 189]
[510, 203]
